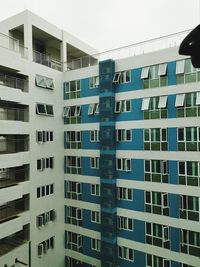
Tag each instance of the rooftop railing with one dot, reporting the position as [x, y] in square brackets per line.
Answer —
[13, 44]
[140, 48]
[47, 60]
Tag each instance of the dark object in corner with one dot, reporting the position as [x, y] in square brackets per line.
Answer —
[191, 46]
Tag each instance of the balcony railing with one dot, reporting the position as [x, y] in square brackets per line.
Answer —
[47, 60]
[14, 114]
[17, 83]
[13, 44]
[10, 145]
[13, 176]
[140, 48]
[11, 242]
[13, 208]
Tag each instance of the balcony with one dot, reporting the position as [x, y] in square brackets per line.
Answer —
[13, 176]
[13, 143]
[14, 112]
[47, 60]
[14, 82]
[13, 44]
[16, 240]
[12, 209]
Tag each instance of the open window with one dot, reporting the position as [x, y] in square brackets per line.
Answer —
[145, 103]
[116, 77]
[180, 99]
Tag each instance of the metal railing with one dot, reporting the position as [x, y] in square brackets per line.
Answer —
[13, 82]
[140, 48]
[14, 114]
[47, 60]
[13, 44]
[12, 176]
[10, 145]
[13, 208]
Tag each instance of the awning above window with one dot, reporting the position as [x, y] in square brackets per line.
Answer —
[162, 69]
[145, 103]
[162, 102]
[145, 72]
[40, 80]
[180, 100]
[180, 66]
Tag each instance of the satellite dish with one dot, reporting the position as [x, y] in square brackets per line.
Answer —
[190, 46]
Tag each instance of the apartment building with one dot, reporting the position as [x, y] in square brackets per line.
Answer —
[99, 153]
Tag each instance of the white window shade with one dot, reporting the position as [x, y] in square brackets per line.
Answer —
[145, 72]
[145, 103]
[198, 98]
[162, 70]
[180, 66]
[180, 100]
[40, 80]
[162, 102]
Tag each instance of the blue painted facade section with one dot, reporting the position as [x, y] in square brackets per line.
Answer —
[171, 106]
[86, 90]
[174, 205]
[172, 139]
[171, 73]
[85, 118]
[86, 169]
[139, 260]
[87, 196]
[175, 239]
[173, 172]
[137, 203]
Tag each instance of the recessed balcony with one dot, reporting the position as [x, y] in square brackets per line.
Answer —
[13, 143]
[14, 241]
[13, 176]
[13, 81]
[14, 112]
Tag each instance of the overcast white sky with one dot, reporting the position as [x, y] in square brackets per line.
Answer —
[108, 24]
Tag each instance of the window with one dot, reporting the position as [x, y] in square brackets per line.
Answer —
[122, 77]
[93, 109]
[44, 82]
[188, 105]
[73, 139]
[74, 215]
[72, 114]
[95, 189]
[155, 261]
[123, 106]
[188, 139]
[72, 89]
[189, 208]
[43, 218]
[189, 173]
[94, 136]
[74, 190]
[45, 163]
[73, 164]
[45, 190]
[123, 135]
[44, 136]
[185, 72]
[125, 223]
[44, 109]
[95, 244]
[123, 165]
[156, 171]
[154, 107]
[155, 139]
[157, 235]
[95, 216]
[44, 246]
[157, 203]
[94, 82]
[190, 242]
[74, 241]
[94, 163]
[124, 193]
[154, 76]
[125, 253]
